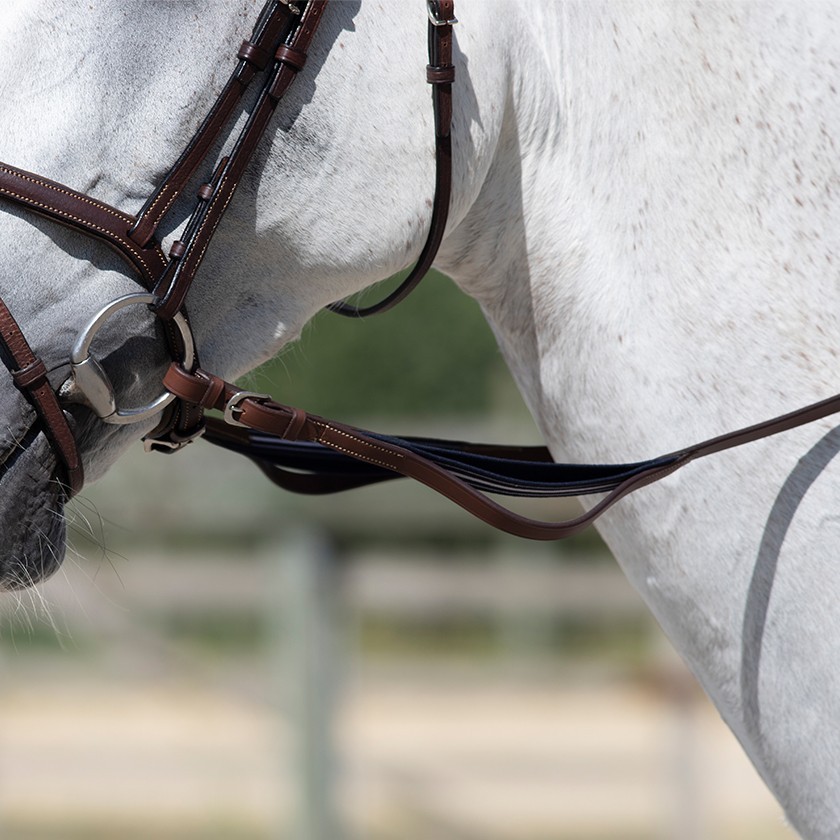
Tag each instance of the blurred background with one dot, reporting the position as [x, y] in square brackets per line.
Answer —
[218, 659]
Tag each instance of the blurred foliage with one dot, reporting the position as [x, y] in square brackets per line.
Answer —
[433, 354]
[219, 632]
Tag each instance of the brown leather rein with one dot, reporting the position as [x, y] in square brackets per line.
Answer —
[299, 451]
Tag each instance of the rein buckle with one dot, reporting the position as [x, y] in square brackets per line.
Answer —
[171, 444]
[290, 5]
[435, 17]
[233, 407]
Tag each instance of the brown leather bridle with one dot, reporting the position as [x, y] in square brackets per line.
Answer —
[299, 451]
[276, 52]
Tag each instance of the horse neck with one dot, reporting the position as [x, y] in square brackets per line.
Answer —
[655, 256]
[660, 233]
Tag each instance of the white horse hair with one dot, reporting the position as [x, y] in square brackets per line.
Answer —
[646, 205]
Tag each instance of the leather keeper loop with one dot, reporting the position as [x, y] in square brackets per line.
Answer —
[440, 75]
[205, 192]
[254, 55]
[199, 388]
[31, 376]
[177, 250]
[296, 424]
[295, 59]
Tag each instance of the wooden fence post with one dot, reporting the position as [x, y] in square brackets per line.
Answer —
[306, 645]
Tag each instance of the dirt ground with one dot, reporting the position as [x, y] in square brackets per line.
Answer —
[131, 729]
[433, 758]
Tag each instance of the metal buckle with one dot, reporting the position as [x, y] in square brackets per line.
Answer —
[90, 385]
[233, 409]
[434, 15]
[163, 445]
[170, 445]
[291, 6]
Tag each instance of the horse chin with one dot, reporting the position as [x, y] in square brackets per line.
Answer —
[32, 506]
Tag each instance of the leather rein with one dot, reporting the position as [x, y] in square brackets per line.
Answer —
[299, 451]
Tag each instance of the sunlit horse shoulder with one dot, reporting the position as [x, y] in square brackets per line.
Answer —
[646, 205]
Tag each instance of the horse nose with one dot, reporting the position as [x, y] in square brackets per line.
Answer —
[24, 573]
[31, 498]
[32, 508]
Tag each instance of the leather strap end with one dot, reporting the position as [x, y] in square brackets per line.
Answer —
[284, 421]
[177, 250]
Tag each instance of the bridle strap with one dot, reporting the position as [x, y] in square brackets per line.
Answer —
[30, 377]
[215, 196]
[284, 34]
[440, 471]
[85, 214]
[440, 73]
[254, 57]
[133, 238]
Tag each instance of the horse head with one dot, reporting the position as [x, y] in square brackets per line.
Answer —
[337, 198]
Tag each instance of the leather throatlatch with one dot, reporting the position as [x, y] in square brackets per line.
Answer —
[440, 73]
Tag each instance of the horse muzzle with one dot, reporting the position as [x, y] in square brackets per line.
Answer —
[42, 465]
[32, 498]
